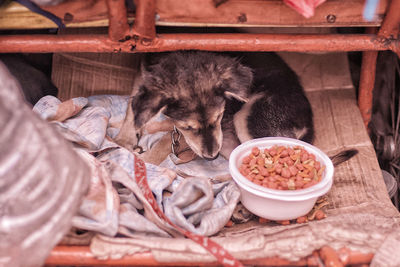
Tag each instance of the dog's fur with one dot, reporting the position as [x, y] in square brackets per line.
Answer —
[218, 100]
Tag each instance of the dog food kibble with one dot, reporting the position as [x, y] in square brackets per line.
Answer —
[283, 168]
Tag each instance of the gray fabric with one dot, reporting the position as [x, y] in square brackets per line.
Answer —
[114, 203]
[42, 181]
[194, 203]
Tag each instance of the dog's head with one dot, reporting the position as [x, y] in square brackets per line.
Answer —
[190, 88]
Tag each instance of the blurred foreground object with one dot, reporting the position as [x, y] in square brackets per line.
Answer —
[304, 7]
[42, 181]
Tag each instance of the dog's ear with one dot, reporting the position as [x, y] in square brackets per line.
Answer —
[237, 84]
[145, 105]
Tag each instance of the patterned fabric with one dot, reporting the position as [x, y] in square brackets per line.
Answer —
[114, 204]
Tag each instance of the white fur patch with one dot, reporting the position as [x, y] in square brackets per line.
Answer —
[300, 133]
[236, 96]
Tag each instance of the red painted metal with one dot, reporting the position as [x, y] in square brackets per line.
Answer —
[146, 41]
[391, 23]
[348, 257]
[81, 256]
[330, 257]
[56, 43]
[367, 81]
[266, 42]
[387, 33]
[118, 21]
[212, 42]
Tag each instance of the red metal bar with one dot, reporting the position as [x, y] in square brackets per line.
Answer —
[391, 22]
[367, 81]
[212, 42]
[55, 43]
[388, 32]
[145, 23]
[266, 42]
[118, 27]
[330, 257]
[352, 257]
[81, 256]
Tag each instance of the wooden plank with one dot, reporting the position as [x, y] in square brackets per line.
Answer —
[235, 13]
[74, 13]
[332, 13]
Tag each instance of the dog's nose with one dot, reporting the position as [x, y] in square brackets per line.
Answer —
[207, 158]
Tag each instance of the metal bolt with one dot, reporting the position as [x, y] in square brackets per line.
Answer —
[126, 38]
[68, 17]
[331, 18]
[242, 18]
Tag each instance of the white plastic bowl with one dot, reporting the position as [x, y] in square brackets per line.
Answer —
[279, 204]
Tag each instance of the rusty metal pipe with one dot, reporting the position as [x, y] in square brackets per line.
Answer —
[118, 27]
[55, 43]
[389, 31]
[367, 82]
[82, 256]
[266, 42]
[145, 22]
[211, 42]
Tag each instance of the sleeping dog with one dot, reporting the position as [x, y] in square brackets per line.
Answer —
[219, 100]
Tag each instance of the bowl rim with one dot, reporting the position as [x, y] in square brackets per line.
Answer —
[301, 194]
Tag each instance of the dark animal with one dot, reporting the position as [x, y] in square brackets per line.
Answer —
[218, 100]
[35, 83]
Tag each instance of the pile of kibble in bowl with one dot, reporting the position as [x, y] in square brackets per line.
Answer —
[282, 168]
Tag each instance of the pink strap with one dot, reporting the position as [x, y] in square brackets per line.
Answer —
[221, 254]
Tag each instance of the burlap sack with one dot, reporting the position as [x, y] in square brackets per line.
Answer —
[86, 74]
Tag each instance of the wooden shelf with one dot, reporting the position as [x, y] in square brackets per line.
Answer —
[199, 13]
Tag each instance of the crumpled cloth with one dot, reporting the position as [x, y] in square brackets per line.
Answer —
[304, 7]
[197, 200]
[42, 180]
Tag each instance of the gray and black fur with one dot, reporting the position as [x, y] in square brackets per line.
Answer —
[35, 82]
[218, 100]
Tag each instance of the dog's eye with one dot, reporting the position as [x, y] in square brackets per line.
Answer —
[188, 128]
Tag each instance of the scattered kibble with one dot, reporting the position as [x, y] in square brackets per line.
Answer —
[302, 219]
[286, 222]
[315, 214]
[229, 223]
[319, 215]
[263, 220]
[282, 168]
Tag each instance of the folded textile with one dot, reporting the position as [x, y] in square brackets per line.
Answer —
[192, 194]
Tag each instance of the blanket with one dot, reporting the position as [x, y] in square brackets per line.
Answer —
[194, 194]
